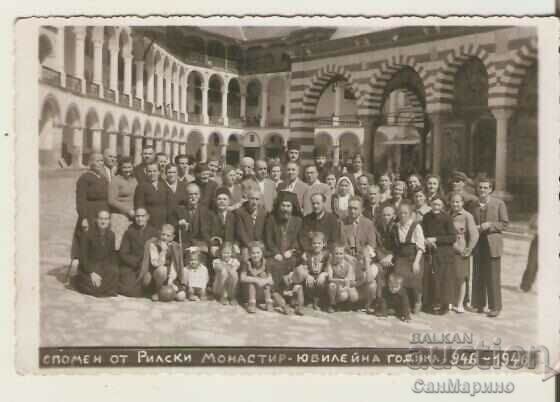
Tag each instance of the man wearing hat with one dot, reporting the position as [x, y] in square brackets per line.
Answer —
[207, 187]
[148, 157]
[293, 153]
[324, 166]
[457, 183]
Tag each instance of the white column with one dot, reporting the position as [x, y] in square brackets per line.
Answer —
[203, 152]
[167, 148]
[175, 148]
[98, 64]
[223, 151]
[224, 106]
[127, 85]
[502, 116]
[79, 52]
[140, 79]
[183, 149]
[158, 145]
[159, 95]
[168, 95]
[60, 55]
[113, 142]
[176, 91]
[96, 140]
[205, 104]
[264, 105]
[114, 66]
[78, 146]
[184, 99]
[438, 120]
[126, 144]
[242, 108]
[150, 85]
[137, 150]
[287, 105]
[336, 154]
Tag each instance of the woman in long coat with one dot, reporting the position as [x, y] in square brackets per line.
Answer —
[91, 197]
[439, 271]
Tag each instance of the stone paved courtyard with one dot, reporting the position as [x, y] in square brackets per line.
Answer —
[71, 319]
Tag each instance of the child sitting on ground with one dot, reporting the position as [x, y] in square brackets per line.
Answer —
[161, 264]
[226, 277]
[286, 293]
[395, 299]
[196, 275]
[342, 278]
[255, 279]
[312, 269]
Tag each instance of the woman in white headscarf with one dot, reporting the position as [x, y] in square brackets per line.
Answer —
[344, 190]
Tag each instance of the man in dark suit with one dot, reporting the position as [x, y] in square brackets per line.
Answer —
[147, 158]
[266, 186]
[177, 194]
[314, 186]
[222, 220]
[293, 184]
[132, 252]
[153, 195]
[358, 171]
[358, 236]
[194, 220]
[249, 222]
[372, 207]
[281, 236]
[319, 220]
[491, 217]
[207, 187]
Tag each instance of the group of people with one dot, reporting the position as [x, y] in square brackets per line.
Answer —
[284, 236]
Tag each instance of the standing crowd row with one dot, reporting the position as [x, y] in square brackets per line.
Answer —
[286, 236]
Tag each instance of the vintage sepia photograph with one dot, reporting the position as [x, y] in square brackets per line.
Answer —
[287, 186]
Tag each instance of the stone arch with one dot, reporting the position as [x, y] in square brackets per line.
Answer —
[136, 127]
[442, 90]
[50, 111]
[148, 133]
[73, 116]
[46, 48]
[321, 80]
[325, 138]
[123, 125]
[373, 99]
[509, 84]
[349, 143]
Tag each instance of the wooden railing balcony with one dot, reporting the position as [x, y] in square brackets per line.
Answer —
[50, 76]
[182, 117]
[195, 118]
[124, 99]
[338, 121]
[216, 61]
[216, 120]
[137, 103]
[275, 122]
[235, 122]
[148, 107]
[158, 110]
[109, 94]
[74, 84]
[92, 89]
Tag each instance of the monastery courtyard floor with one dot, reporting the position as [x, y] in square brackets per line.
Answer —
[71, 319]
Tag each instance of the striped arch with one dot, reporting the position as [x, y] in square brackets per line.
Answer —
[442, 91]
[510, 78]
[319, 82]
[373, 100]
